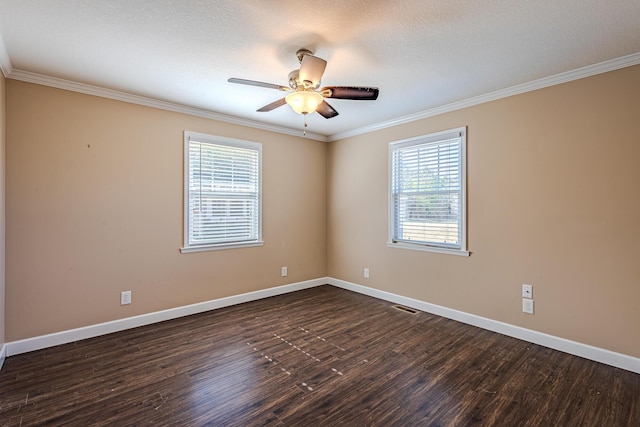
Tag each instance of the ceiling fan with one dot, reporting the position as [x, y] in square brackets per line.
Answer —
[304, 96]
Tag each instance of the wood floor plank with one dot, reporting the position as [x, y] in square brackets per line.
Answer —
[322, 356]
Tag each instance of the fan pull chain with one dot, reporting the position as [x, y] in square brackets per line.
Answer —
[304, 131]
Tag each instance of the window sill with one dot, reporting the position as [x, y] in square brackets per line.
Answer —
[203, 248]
[425, 248]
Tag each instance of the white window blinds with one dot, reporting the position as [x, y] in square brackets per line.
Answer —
[223, 192]
[427, 191]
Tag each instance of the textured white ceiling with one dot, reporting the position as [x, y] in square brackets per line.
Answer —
[422, 54]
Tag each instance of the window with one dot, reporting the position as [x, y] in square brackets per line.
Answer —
[427, 193]
[222, 200]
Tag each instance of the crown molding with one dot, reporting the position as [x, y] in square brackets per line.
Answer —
[568, 76]
[580, 73]
[5, 61]
[87, 89]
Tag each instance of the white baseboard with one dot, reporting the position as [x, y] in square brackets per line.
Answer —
[63, 337]
[3, 354]
[607, 357]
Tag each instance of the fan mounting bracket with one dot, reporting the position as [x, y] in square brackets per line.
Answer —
[302, 52]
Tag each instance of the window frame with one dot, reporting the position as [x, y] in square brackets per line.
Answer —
[227, 142]
[460, 132]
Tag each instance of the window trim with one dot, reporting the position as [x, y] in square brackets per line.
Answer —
[231, 142]
[425, 139]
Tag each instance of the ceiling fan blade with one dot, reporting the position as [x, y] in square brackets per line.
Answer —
[272, 106]
[259, 84]
[312, 69]
[350, 92]
[326, 110]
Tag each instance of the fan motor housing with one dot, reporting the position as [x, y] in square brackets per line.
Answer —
[294, 79]
[295, 82]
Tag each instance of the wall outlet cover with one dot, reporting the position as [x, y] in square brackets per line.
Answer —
[527, 305]
[125, 297]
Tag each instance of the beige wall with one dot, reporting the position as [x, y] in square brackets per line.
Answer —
[85, 223]
[2, 215]
[553, 201]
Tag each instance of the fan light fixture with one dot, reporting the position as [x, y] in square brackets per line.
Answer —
[306, 97]
[303, 101]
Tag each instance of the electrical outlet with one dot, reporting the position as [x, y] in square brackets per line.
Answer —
[125, 297]
[284, 271]
[366, 273]
[527, 291]
[527, 305]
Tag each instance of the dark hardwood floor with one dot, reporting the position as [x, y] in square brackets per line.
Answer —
[318, 357]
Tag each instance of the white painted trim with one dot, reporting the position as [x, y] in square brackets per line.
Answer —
[461, 133]
[205, 248]
[50, 340]
[607, 357]
[580, 73]
[87, 89]
[201, 138]
[3, 354]
[568, 76]
[5, 61]
[425, 248]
